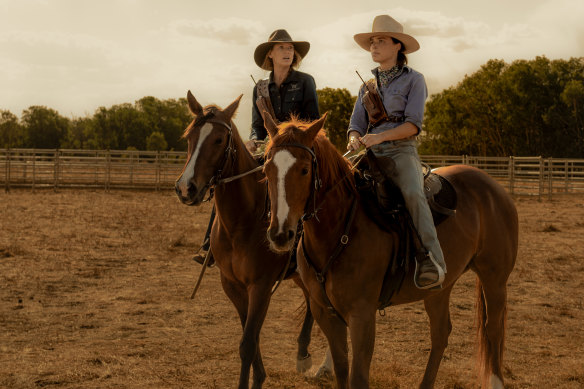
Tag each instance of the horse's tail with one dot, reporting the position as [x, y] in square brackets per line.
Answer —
[485, 352]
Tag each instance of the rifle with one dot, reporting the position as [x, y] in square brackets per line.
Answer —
[263, 101]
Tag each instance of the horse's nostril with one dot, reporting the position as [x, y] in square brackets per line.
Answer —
[290, 234]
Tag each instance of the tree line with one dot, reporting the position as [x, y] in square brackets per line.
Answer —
[525, 108]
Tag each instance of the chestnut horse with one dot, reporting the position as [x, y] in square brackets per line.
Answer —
[249, 269]
[349, 254]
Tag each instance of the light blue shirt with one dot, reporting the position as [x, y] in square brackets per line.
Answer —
[404, 96]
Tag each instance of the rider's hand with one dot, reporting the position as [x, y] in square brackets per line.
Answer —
[251, 146]
[371, 140]
[354, 143]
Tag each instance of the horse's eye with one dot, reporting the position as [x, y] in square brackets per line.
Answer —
[218, 141]
[304, 171]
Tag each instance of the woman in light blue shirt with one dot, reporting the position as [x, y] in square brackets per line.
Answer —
[403, 92]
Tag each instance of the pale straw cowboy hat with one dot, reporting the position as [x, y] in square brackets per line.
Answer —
[278, 36]
[385, 25]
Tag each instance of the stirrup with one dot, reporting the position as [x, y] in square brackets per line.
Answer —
[436, 285]
[200, 259]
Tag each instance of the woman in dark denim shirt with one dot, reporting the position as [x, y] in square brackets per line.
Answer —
[290, 91]
[403, 92]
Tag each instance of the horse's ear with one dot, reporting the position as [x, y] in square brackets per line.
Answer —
[270, 124]
[312, 131]
[230, 110]
[194, 105]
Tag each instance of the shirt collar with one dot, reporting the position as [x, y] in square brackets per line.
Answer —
[375, 71]
[292, 76]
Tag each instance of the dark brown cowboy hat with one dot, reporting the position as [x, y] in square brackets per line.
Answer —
[278, 36]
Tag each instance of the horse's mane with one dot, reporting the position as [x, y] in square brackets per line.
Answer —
[332, 166]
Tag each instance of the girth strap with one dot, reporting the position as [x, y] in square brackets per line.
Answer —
[321, 275]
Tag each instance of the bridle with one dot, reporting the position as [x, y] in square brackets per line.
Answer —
[317, 183]
[229, 155]
[343, 241]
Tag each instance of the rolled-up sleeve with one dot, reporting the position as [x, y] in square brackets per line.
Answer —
[414, 110]
[359, 121]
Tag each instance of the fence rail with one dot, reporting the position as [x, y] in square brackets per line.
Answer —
[115, 169]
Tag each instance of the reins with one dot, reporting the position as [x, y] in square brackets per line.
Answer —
[229, 155]
[317, 181]
[343, 241]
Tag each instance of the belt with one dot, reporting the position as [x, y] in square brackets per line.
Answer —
[395, 119]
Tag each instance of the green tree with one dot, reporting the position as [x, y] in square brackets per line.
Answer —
[169, 117]
[44, 128]
[522, 108]
[119, 127]
[156, 142]
[339, 105]
[78, 134]
[11, 133]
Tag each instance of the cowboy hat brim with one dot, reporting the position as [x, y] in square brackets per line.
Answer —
[262, 50]
[409, 42]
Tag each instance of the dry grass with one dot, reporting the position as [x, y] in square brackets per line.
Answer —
[95, 286]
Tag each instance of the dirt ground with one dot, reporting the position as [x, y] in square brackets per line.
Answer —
[95, 286]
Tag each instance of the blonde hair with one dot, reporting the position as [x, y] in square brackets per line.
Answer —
[268, 64]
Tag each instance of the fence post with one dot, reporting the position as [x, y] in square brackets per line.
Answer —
[157, 170]
[56, 171]
[511, 174]
[541, 171]
[7, 172]
[132, 153]
[108, 159]
[566, 175]
[33, 169]
[550, 177]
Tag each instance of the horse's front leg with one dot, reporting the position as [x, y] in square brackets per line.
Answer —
[335, 331]
[362, 331]
[303, 357]
[249, 348]
[238, 296]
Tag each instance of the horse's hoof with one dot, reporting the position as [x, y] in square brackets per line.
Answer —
[304, 364]
[323, 372]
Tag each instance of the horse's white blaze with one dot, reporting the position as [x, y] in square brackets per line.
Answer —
[496, 382]
[183, 182]
[283, 160]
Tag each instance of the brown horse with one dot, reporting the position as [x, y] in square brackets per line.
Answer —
[249, 269]
[308, 177]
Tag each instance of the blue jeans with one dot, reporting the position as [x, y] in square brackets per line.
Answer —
[409, 177]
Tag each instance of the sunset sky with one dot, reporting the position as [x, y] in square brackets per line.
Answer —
[77, 55]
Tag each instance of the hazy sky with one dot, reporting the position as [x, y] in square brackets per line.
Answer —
[77, 55]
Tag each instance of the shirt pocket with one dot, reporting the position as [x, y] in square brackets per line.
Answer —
[292, 101]
[396, 99]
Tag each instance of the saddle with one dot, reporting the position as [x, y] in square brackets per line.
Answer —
[384, 204]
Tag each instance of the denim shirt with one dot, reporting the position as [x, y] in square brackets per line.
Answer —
[404, 96]
[296, 95]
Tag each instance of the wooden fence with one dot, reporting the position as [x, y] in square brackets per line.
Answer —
[113, 169]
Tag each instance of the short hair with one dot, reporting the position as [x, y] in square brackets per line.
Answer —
[402, 59]
[268, 64]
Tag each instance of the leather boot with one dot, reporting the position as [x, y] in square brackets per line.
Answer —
[429, 273]
[200, 256]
